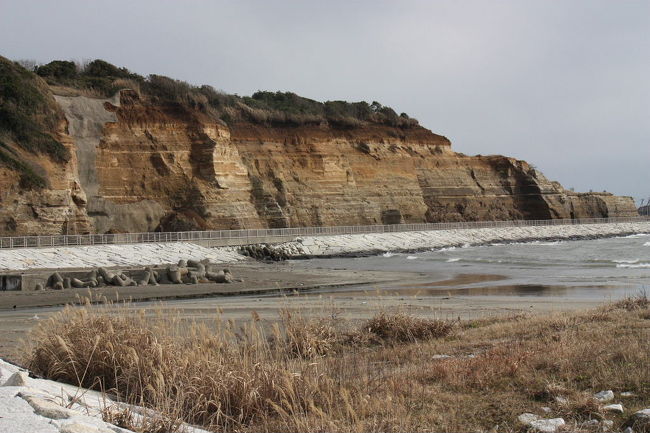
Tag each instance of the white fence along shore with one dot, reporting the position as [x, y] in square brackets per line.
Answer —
[213, 238]
[294, 243]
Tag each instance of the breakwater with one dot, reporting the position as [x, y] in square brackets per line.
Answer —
[272, 246]
[377, 243]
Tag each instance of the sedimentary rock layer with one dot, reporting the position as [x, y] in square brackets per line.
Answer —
[146, 166]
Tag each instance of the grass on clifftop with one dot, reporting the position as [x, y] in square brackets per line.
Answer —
[322, 374]
[268, 108]
[29, 117]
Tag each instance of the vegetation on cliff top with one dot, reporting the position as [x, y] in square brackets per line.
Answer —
[274, 108]
[29, 117]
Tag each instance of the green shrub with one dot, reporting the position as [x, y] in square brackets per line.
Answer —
[59, 69]
[28, 178]
[263, 107]
[101, 68]
[28, 115]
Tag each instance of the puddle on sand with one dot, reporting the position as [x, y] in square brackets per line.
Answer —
[459, 280]
[427, 290]
[436, 289]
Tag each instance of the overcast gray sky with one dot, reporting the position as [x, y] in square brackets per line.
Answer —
[564, 85]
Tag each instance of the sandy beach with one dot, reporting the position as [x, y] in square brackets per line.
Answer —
[270, 287]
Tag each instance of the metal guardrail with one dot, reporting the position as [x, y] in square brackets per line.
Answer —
[252, 236]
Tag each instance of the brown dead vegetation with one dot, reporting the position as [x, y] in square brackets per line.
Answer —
[323, 374]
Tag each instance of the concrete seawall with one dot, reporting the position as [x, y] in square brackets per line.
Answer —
[17, 261]
[375, 243]
[109, 256]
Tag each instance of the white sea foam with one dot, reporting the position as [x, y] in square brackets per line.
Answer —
[453, 259]
[538, 243]
[647, 244]
[411, 257]
[638, 235]
[633, 265]
[388, 254]
[628, 262]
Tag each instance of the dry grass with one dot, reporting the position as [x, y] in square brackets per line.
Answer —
[322, 374]
[307, 338]
[632, 303]
[125, 83]
[73, 91]
[402, 328]
[149, 422]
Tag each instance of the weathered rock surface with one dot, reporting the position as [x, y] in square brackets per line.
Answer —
[547, 425]
[614, 408]
[604, 396]
[78, 427]
[19, 378]
[639, 422]
[527, 418]
[58, 208]
[541, 425]
[111, 256]
[46, 406]
[139, 166]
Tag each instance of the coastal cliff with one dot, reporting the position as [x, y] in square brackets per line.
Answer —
[142, 163]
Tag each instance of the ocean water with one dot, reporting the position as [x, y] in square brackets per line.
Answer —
[612, 267]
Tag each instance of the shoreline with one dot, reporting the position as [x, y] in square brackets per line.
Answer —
[322, 246]
[369, 244]
[353, 292]
[377, 252]
[258, 279]
[277, 278]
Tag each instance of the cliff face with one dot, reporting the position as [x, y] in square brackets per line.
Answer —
[58, 208]
[144, 166]
[39, 187]
[375, 175]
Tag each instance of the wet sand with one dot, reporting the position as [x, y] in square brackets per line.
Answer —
[269, 288]
[268, 278]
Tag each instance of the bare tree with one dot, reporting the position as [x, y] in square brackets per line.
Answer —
[29, 64]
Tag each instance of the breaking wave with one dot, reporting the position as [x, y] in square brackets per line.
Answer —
[633, 265]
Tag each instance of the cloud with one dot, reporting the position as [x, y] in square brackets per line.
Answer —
[560, 84]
